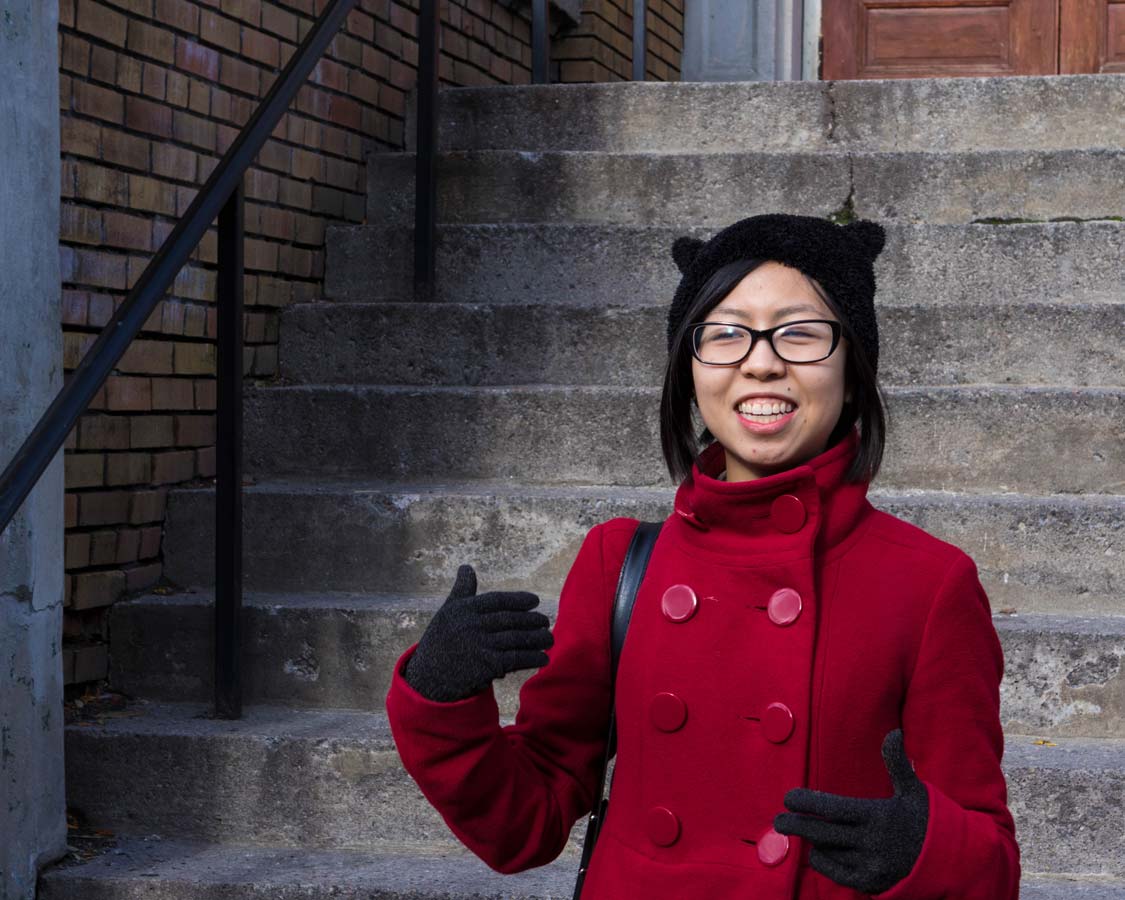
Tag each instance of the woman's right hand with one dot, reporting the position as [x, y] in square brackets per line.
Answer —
[475, 638]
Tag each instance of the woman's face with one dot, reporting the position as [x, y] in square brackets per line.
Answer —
[811, 394]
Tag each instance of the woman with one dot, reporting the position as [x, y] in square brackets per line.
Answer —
[808, 698]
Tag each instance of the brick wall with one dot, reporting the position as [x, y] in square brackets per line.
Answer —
[152, 92]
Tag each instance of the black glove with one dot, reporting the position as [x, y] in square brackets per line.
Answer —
[866, 844]
[475, 638]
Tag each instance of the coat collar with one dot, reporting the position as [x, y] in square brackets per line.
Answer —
[808, 508]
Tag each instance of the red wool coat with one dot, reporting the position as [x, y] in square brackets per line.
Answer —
[784, 626]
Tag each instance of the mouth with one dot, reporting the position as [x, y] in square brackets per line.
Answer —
[765, 416]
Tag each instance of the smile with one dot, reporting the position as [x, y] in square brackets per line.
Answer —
[767, 421]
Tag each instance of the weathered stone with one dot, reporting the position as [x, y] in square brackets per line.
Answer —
[1036, 554]
[1029, 439]
[397, 343]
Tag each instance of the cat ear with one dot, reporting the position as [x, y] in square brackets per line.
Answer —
[870, 234]
[684, 250]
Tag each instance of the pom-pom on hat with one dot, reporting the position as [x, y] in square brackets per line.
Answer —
[840, 257]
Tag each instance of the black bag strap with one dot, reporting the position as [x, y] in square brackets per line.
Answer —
[628, 583]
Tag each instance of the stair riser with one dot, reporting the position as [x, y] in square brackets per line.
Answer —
[1058, 555]
[456, 344]
[1057, 682]
[299, 792]
[966, 439]
[885, 114]
[504, 186]
[345, 794]
[571, 264]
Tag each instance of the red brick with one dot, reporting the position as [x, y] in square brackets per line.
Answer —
[309, 229]
[194, 358]
[343, 174]
[366, 89]
[84, 470]
[189, 129]
[205, 462]
[103, 432]
[249, 11]
[98, 102]
[129, 74]
[346, 49]
[94, 589]
[197, 59]
[195, 431]
[195, 320]
[177, 91]
[70, 511]
[74, 307]
[150, 431]
[137, 7]
[206, 393]
[101, 185]
[128, 468]
[101, 22]
[126, 231]
[330, 74]
[80, 224]
[260, 47]
[361, 25]
[125, 150]
[225, 136]
[150, 542]
[153, 80]
[147, 506]
[74, 55]
[172, 317]
[239, 75]
[279, 21]
[103, 508]
[149, 357]
[172, 393]
[178, 14]
[128, 545]
[96, 269]
[152, 194]
[128, 394]
[219, 30]
[102, 308]
[140, 577]
[173, 467]
[66, 13]
[199, 97]
[151, 41]
[151, 118]
[170, 161]
[103, 548]
[77, 550]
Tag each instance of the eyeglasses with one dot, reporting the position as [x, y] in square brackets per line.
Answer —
[727, 344]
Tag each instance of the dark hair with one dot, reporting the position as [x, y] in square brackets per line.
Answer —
[677, 438]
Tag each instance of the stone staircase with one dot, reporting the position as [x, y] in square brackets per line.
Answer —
[498, 424]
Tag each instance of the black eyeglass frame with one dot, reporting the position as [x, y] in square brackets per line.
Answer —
[837, 330]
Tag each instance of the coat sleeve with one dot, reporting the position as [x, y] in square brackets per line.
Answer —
[512, 794]
[951, 727]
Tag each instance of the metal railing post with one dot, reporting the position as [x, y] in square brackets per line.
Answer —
[640, 39]
[228, 460]
[540, 43]
[425, 187]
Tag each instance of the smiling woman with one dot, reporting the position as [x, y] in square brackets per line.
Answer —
[807, 703]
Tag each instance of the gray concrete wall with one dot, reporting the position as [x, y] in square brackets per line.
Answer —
[32, 801]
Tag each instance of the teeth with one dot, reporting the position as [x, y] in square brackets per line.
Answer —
[765, 407]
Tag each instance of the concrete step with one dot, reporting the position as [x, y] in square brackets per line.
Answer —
[971, 438]
[715, 189]
[1058, 554]
[394, 343]
[333, 780]
[613, 264]
[1065, 674]
[1041, 112]
[156, 869]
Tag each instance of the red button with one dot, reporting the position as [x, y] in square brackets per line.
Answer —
[784, 607]
[787, 513]
[773, 847]
[663, 826]
[679, 603]
[777, 723]
[667, 712]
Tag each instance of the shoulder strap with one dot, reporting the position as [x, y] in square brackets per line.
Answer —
[628, 583]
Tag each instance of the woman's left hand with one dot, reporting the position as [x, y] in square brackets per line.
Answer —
[866, 844]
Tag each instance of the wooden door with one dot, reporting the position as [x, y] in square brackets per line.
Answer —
[936, 38]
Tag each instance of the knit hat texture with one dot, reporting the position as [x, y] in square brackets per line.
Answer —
[840, 257]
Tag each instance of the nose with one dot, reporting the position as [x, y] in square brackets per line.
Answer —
[762, 363]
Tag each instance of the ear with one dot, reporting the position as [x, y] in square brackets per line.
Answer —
[684, 250]
[870, 234]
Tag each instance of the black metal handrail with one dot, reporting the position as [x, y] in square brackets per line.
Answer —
[220, 196]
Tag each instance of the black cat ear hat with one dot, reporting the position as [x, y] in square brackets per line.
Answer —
[840, 257]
